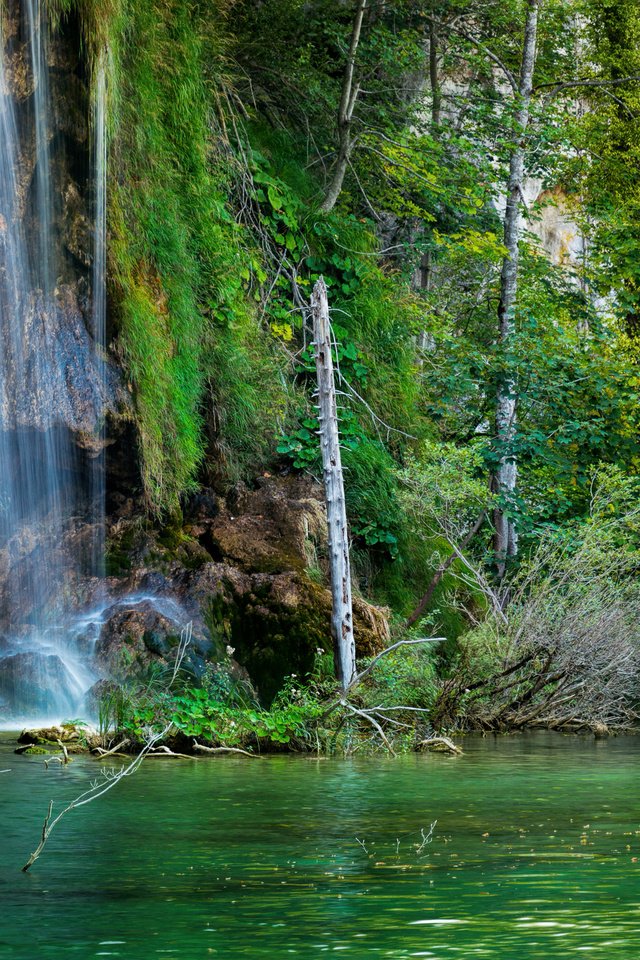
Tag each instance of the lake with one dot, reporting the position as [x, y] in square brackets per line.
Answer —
[535, 853]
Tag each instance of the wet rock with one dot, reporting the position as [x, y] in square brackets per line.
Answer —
[62, 380]
[40, 680]
[274, 622]
[77, 229]
[201, 507]
[278, 622]
[251, 585]
[98, 694]
[68, 733]
[69, 103]
[134, 636]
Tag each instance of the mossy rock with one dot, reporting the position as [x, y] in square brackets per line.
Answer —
[277, 624]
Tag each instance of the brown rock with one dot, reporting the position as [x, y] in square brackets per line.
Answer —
[274, 528]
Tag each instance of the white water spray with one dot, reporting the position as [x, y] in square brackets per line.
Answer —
[52, 388]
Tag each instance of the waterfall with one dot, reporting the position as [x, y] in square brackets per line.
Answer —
[53, 390]
[99, 295]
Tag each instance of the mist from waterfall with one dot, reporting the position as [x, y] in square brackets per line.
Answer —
[47, 491]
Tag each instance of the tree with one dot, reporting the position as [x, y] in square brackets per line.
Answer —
[342, 612]
[348, 98]
[505, 477]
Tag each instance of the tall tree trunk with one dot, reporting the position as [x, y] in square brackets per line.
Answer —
[342, 613]
[434, 76]
[348, 98]
[505, 478]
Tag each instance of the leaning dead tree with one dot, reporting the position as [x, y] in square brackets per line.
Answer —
[342, 612]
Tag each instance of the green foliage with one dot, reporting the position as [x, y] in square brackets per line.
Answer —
[174, 252]
[222, 134]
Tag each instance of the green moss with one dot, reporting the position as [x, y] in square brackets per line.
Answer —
[274, 639]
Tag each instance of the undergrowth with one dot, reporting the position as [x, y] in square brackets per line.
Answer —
[308, 714]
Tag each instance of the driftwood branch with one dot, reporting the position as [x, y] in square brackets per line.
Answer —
[440, 743]
[101, 753]
[95, 791]
[163, 751]
[49, 760]
[244, 753]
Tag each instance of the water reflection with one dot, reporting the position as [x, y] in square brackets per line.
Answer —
[534, 854]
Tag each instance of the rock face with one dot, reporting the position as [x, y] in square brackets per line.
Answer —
[276, 527]
[60, 378]
[248, 572]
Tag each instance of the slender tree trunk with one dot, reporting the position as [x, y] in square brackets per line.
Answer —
[342, 613]
[350, 91]
[505, 478]
[434, 76]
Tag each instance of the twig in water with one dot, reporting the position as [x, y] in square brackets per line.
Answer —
[163, 751]
[426, 837]
[96, 790]
[49, 760]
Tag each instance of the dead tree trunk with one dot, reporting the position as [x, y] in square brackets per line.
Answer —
[505, 478]
[348, 98]
[342, 613]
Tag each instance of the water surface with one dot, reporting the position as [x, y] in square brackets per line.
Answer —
[535, 854]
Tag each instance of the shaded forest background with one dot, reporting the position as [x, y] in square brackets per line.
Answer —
[227, 125]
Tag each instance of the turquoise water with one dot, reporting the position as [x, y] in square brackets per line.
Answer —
[533, 855]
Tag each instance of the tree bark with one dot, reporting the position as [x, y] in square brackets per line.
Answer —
[342, 612]
[349, 96]
[434, 76]
[505, 478]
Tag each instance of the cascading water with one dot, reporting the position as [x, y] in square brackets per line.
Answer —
[53, 390]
